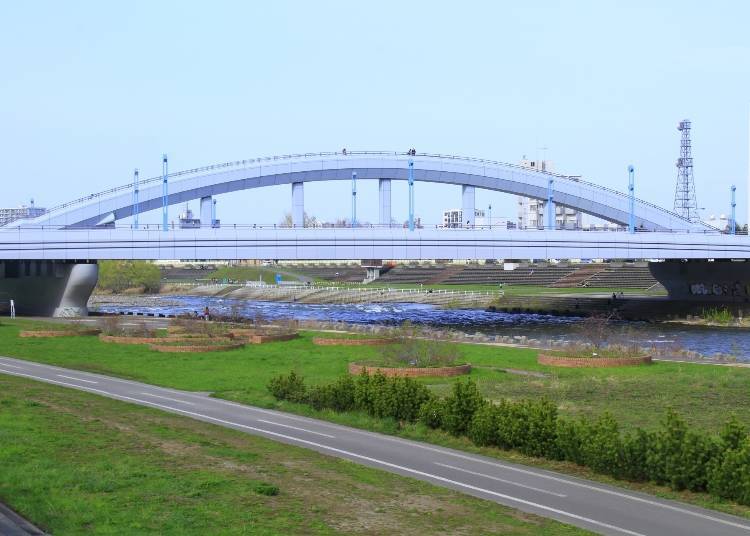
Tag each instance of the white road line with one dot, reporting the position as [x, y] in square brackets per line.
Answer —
[296, 428]
[339, 451]
[167, 398]
[500, 480]
[9, 365]
[76, 379]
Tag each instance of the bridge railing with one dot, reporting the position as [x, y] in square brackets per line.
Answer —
[424, 226]
[261, 160]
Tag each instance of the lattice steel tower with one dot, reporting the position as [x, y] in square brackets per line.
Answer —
[685, 203]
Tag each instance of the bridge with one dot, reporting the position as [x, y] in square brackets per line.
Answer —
[54, 256]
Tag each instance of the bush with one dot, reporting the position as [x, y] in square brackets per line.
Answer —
[263, 488]
[400, 398]
[460, 407]
[483, 428]
[729, 475]
[569, 438]
[680, 458]
[291, 388]
[601, 446]
[634, 458]
[432, 412]
[338, 396]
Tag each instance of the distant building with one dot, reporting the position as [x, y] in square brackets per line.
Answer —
[24, 212]
[532, 213]
[187, 221]
[453, 218]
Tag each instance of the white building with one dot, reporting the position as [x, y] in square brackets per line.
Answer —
[532, 213]
[8, 215]
[454, 218]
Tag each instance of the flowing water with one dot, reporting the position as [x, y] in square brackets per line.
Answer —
[705, 340]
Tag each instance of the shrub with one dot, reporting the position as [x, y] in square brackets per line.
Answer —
[601, 446]
[680, 457]
[541, 428]
[291, 388]
[729, 474]
[460, 406]
[569, 438]
[483, 428]
[634, 459]
[432, 412]
[338, 396]
[263, 488]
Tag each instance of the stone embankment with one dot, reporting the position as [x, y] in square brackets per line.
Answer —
[346, 295]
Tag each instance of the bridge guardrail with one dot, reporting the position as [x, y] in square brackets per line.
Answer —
[431, 226]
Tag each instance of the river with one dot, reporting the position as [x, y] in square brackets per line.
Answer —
[707, 341]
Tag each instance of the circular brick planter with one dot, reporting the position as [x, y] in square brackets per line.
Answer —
[154, 340]
[262, 339]
[410, 372]
[194, 348]
[59, 333]
[591, 362]
[332, 341]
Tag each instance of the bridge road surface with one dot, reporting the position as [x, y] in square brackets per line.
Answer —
[591, 505]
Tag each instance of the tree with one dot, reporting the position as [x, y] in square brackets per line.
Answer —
[309, 221]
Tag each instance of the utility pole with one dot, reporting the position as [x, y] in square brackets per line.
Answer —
[354, 198]
[631, 193]
[733, 227]
[411, 194]
[136, 208]
[550, 204]
[164, 193]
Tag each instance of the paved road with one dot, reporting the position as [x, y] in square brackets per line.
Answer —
[597, 507]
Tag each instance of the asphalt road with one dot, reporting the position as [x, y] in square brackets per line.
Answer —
[591, 505]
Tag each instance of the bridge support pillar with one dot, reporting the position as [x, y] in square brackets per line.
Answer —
[47, 288]
[298, 204]
[206, 211]
[384, 193]
[468, 203]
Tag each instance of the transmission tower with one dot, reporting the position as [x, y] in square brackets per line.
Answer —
[685, 203]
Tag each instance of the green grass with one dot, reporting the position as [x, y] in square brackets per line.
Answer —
[250, 273]
[75, 463]
[704, 395]
[637, 396]
[512, 290]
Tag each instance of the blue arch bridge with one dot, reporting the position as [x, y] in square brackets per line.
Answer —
[53, 256]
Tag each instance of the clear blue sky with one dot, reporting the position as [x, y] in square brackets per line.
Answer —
[88, 91]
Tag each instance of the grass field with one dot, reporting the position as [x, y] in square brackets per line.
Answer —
[705, 395]
[76, 463]
[249, 273]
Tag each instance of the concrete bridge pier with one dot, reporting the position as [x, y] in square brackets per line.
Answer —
[206, 211]
[47, 288]
[384, 194]
[468, 203]
[298, 204]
